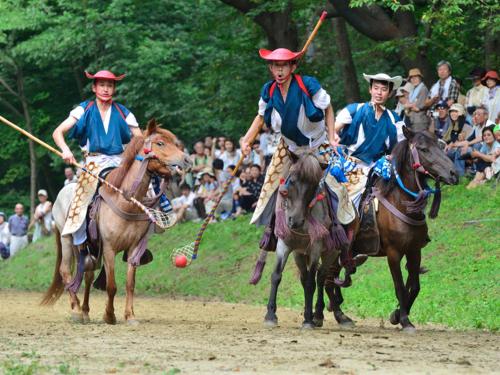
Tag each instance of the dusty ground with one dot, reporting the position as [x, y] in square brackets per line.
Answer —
[196, 337]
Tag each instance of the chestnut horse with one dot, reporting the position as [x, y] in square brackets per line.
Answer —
[116, 232]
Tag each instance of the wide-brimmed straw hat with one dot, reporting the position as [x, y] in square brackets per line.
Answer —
[104, 74]
[458, 107]
[415, 72]
[279, 54]
[490, 74]
[205, 171]
[396, 81]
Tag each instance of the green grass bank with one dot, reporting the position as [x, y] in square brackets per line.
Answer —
[462, 289]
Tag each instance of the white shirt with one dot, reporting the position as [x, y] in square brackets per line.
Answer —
[183, 200]
[4, 233]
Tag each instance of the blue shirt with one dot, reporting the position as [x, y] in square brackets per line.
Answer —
[18, 225]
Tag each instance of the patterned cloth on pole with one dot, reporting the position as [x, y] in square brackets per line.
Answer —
[165, 204]
[383, 168]
[341, 166]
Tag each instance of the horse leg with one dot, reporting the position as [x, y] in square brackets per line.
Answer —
[413, 282]
[335, 295]
[109, 265]
[399, 316]
[282, 253]
[89, 278]
[319, 317]
[129, 303]
[307, 278]
[65, 271]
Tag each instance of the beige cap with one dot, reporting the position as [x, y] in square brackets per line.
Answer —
[415, 72]
[459, 108]
[42, 192]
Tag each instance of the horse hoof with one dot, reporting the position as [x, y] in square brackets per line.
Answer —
[109, 319]
[77, 317]
[409, 329]
[270, 323]
[343, 320]
[132, 322]
[394, 318]
[86, 319]
[308, 325]
[318, 323]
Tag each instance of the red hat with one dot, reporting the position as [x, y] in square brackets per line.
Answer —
[280, 54]
[104, 74]
[490, 74]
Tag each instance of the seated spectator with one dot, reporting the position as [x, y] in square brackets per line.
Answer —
[4, 237]
[440, 123]
[208, 189]
[476, 94]
[487, 159]
[256, 156]
[200, 160]
[208, 142]
[417, 116]
[445, 89]
[42, 219]
[18, 230]
[218, 147]
[491, 99]
[222, 176]
[230, 155]
[69, 173]
[462, 99]
[457, 129]
[250, 189]
[184, 205]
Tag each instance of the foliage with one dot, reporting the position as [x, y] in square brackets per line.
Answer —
[461, 290]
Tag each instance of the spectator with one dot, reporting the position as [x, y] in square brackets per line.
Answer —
[491, 99]
[200, 160]
[457, 125]
[496, 132]
[70, 176]
[222, 176]
[445, 89]
[43, 216]
[218, 147]
[487, 162]
[441, 122]
[415, 106]
[250, 188]
[402, 95]
[18, 230]
[476, 94]
[184, 205]
[267, 144]
[256, 155]
[4, 237]
[208, 142]
[208, 189]
[230, 155]
[462, 99]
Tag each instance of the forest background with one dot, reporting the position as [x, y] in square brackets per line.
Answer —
[193, 64]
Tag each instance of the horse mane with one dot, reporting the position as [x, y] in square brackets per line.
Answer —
[117, 175]
[400, 155]
[307, 169]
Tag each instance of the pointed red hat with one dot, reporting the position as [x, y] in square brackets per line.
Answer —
[280, 54]
[104, 74]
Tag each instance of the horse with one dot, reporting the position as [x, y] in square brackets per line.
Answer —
[401, 223]
[121, 225]
[301, 222]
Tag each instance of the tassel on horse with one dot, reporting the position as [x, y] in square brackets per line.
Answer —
[436, 202]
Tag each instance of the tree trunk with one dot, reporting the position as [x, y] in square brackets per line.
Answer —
[29, 128]
[349, 76]
[491, 48]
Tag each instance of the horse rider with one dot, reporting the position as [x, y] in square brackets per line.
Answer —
[299, 109]
[102, 128]
[368, 131]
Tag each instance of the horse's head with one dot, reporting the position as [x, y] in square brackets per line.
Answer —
[300, 189]
[424, 146]
[163, 144]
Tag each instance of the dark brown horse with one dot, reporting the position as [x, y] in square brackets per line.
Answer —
[401, 219]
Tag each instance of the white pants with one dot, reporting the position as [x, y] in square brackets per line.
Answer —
[17, 243]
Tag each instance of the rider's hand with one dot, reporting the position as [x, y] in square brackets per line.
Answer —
[334, 141]
[245, 147]
[68, 157]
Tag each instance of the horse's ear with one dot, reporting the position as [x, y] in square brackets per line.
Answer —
[152, 126]
[408, 133]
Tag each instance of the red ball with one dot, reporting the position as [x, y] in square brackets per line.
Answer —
[181, 261]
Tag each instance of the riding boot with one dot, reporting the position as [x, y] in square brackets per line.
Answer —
[146, 258]
[367, 240]
[90, 261]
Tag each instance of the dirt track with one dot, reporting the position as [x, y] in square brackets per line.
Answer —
[197, 337]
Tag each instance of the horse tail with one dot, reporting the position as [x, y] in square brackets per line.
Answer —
[56, 289]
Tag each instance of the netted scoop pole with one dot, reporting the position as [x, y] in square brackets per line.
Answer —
[187, 251]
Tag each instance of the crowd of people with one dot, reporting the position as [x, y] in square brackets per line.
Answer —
[467, 126]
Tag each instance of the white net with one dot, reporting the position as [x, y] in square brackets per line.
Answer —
[163, 219]
[186, 251]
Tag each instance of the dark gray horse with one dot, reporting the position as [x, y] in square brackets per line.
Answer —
[301, 227]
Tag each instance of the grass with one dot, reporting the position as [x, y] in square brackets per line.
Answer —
[461, 290]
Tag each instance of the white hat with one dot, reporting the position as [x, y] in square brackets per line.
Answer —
[42, 192]
[396, 81]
